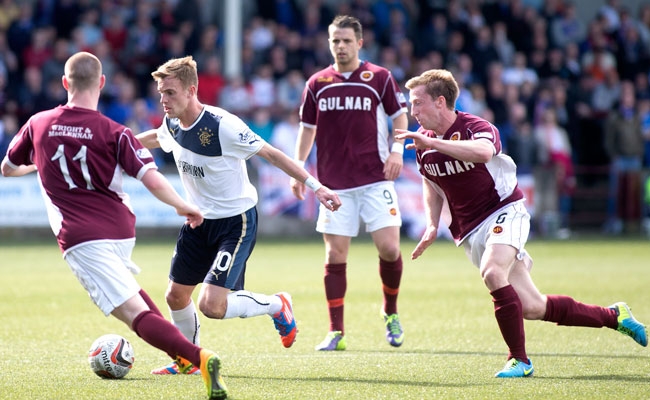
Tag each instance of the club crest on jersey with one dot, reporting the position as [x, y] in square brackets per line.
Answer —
[366, 76]
[205, 136]
[497, 230]
[455, 136]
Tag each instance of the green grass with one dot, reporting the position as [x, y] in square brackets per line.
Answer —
[451, 351]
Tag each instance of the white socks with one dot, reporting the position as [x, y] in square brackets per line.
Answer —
[244, 304]
[187, 321]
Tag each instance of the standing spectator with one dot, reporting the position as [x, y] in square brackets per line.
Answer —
[624, 143]
[484, 209]
[236, 96]
[289, 90]
[9, 64]
[344, 111]
[568, 27]
[555, 177]
[98, 245]
[116, 33]
[482, 48]
[436, 35]
[606, 93]
[39, 50]
[120, 107]
[519, 72]
[522, 146]
[141, 50]
[19, 34]
[503, 45]
[209, 47]
[262, 84]
[212, 81]
[60, 53]
[8, 128]
[89, 28]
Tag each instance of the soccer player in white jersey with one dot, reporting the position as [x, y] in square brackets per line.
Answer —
[80, 156]
[470, 184]
[210, 148]
[345, 111]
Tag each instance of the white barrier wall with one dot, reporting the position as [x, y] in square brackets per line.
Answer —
[21, 203]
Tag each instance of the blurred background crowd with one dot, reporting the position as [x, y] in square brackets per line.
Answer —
[569, 94]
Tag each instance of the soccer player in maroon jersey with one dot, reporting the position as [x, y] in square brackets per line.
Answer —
[472, 185]
[345, 111]
[80, 156]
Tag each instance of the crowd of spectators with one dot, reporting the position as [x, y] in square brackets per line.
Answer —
[547, 78]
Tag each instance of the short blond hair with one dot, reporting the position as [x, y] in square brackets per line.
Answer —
[438, 82]
[183, 69]
[83, 71]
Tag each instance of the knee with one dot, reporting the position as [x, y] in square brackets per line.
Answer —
[389, 253]
[176, 300]
[494, 278]
[214, 310]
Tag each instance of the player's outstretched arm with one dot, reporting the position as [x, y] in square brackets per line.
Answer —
[160, 187]
[432, 209]
[304, 143]
[20, 170]
[475, 151]
[276, 157]
[149, 139]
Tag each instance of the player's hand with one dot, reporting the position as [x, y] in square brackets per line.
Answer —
[393, 166]
[420, 141]
[328, 198]
[429, 236]
[298, 188]
[192, 214]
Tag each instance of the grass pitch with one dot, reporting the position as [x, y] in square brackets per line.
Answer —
[451, 351]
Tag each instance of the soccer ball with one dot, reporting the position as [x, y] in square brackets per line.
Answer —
[111, 356]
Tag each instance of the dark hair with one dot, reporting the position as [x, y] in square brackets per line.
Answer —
[347, 21]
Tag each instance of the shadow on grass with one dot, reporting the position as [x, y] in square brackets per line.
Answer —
[502, 354]
[379, 381]
[608, 378]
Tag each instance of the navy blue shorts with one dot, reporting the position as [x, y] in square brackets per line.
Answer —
[215, 252]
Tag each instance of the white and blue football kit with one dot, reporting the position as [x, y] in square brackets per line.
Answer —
[211, 159]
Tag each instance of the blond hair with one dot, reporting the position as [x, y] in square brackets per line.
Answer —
[438, 82]
[183, 69]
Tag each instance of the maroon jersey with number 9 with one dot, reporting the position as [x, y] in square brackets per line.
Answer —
[351, 120]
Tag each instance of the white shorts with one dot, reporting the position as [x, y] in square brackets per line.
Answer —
[509, 225]
[375, 204]
[104, 268]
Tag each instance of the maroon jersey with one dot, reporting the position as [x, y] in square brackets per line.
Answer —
[351, 120]
[472, 191]
[80, 155]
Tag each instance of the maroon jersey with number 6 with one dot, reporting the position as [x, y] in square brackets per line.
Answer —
[351, 120]
[472, 191]
[80, 155]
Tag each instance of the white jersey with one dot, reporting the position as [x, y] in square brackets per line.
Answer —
[211, 159]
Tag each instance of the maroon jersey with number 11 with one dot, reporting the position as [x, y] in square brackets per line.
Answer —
[80, 155]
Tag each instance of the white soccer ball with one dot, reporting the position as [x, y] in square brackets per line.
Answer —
[111, 356]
